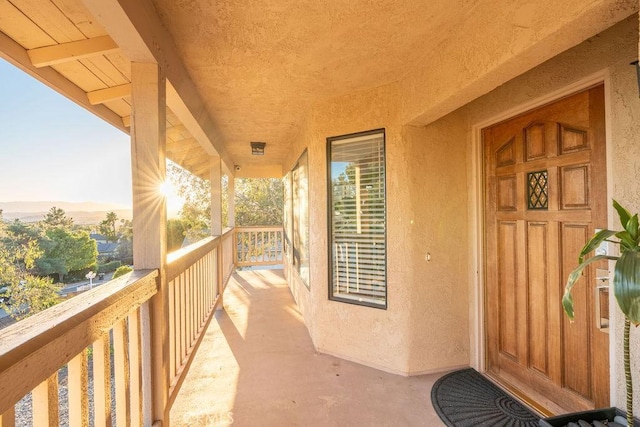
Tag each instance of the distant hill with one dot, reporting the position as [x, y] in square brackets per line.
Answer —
[67, 206]
[82, 213]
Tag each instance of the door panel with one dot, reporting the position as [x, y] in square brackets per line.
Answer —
[537, 249]
[545, 186]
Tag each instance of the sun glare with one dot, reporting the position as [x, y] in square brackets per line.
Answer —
[174, 201]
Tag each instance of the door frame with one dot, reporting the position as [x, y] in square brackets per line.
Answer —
[477, 330]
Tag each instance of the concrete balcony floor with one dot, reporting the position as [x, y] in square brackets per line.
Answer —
[257, 366]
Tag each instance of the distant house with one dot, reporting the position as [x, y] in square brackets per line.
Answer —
[106, 249]
[100, 238]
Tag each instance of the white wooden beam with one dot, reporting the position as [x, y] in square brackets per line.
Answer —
[137, 29]
[231, 201]
[148, 170]
[216, 196]
[15, 54]
[101, 96]
[65, 52]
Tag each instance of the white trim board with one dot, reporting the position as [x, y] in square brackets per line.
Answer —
[476, 215]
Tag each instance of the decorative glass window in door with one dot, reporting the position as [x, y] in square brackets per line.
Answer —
[538, 190]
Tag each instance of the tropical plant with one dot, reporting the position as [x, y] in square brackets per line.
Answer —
[626, 282]
[107, 227]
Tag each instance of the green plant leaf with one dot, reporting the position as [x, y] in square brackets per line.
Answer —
[624, 214]
[567, 298]
[595, 241]
[625, 240]
[632, 228]
[626, 285]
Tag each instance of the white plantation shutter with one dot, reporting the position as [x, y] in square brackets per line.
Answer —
[358, 218]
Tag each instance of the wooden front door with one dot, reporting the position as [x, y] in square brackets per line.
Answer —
[545, 183]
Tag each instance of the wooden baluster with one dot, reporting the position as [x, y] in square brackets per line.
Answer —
[102, 382]
[172, 329]
[203, 287]
[183, 318]
[78, 390]
[262, 246]
[199, 292]
[205, 283]
[45, 402]
[188, 306]
[212, 292]
[145, 360]
[196, 297]
[194, 300]
[8, 419]
[135, 368]
[121, 369]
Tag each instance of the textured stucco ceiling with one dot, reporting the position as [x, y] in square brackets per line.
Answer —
[260, 64]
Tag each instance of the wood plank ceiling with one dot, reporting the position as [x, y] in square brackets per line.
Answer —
[60, 43]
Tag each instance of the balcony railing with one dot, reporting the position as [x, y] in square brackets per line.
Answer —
[101, 340]
[257, 246]
[98, 328]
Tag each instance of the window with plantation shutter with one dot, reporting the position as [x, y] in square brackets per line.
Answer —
[300, 193]
[357, 222]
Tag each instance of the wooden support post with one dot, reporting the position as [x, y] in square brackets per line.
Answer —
[215, 176]
[148, 144]
[216, 218]
[231, 204]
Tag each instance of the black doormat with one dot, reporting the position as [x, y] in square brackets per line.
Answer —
[467, 399]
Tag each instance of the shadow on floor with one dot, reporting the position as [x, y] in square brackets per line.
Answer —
[257, 367]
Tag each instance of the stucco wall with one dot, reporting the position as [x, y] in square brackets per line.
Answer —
[430, 210]
[611, 50]
[424, 327]
[438, 291]
[625, 174]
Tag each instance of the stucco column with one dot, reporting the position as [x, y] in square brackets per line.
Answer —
[148, 167]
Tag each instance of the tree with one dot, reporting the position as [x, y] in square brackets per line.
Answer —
[125, 239]
[57, 217]
[28, 294]
[175, 234]
[196, 192]
[108, 227]
[66, 251]
[22, 241]
[259, 201]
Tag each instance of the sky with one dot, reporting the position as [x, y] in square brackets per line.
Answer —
[53, 150]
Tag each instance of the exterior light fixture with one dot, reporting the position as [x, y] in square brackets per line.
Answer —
[637, 65]
[257, 148]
